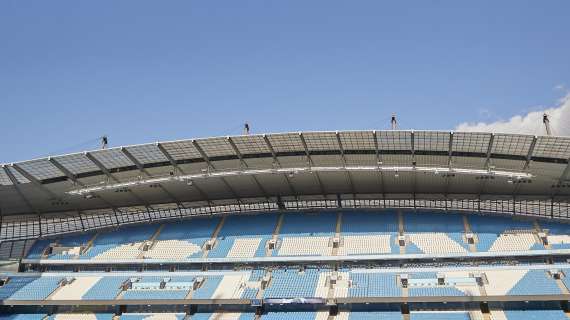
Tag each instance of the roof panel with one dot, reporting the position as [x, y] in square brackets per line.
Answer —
[215, 147]
[181, 150]
[19, 177]
[394, 140]
[471, 142]
[511, 144]
[431, 140]
[321, 141]
[112, 158]
[286, 142]
[552, 147]
[4, 179]
[251, 144]
[41, 169]
[357, 140]
[147, 153]
[77, 163]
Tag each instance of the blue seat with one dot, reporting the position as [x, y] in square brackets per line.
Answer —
[206, 291]
[29, 316]
[38, 289]
[14, 284]
[106, 288]
[439, 315]
[535, 282]
[375, 315]
[374, 285]
[535, 315]
[289, 283]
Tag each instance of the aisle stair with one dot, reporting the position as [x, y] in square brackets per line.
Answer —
[468, 230]
[212, 240]
[275, 236]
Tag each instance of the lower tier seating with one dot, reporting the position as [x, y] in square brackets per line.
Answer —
[285, 283]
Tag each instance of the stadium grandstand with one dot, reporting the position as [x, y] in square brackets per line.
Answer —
[346, 225]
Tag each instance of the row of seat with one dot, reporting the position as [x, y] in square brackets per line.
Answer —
[288, 283]
[360, 233]
[495, 314]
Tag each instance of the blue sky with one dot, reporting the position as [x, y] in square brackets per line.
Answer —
[142, 71]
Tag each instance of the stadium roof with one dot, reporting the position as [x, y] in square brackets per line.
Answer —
[384, 163]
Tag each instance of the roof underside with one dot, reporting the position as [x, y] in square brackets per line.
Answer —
[407, 164]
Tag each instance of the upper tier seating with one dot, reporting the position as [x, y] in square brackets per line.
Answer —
[435, 233]
[122, 244]
[38, 248]
[244, 236]
[307, 234]
[303, 234]
[503, 234]
[75, 242]
[369, 233]
[558, 234]
[183, 239]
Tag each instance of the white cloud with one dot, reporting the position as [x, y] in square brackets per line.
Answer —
[530, 123]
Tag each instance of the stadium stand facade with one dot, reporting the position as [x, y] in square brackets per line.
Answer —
[412, 225]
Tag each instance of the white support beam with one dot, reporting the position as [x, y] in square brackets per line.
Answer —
[67, 173]
[177, 168]
[169, 157]
[413, 150]
[111, 177]
[101, 167]
[244, 164]
[311, 163]
[73, 178]
[134, 160]
[277, 163]
[142, 170]
[450, 150]
[489, 150]
[348, 174]
[211, 166]
[530, 152]
[16, 184]
[34, 181]
[379, 162]
[563, 180]
[449, 162]
[517, 186]
[487, 161]
[565, 176]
